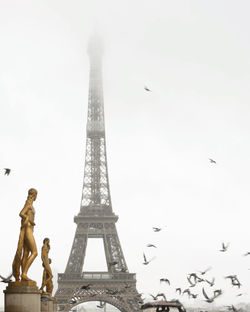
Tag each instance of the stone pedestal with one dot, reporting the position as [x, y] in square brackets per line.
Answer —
[22, 297]
[48, 304]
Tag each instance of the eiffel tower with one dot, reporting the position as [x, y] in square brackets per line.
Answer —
[96, 218]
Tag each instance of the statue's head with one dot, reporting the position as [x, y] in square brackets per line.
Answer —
[46, 240]
[32, 193]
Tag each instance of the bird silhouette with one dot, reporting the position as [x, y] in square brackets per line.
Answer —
[211, 283]
[247, 254]
[162, 295]
[6, 279]
[212, 161]
[151, 245]
[224, 247]
[147, 89]
[147, 261]
[101, 305]
[86, 287]
[186, 291]
[232, 308]
[156, 229]
[234, 280]
[7, 171]
[211, 299]
[205, 271]
[154, 297]
[178, 290]
[165, 280]
[190, 282]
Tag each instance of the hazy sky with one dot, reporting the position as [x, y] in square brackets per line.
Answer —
[195, 56]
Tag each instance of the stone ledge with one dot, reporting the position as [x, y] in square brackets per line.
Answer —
[14, 288]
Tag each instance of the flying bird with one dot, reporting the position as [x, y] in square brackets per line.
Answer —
[6, 279]
[232, 308]
[86, 287]
[205, 271]
[162, 295]
[178, 290]
[247, 254]
[151, 245]
[194, 276]
[234, 280]
[154, 297]
[211, 283]
[209, 300]
[156, 229]
[186, 291]
[147, 89]
[190, 282]
[224, 247]
[7, 171]
[101, 305]
[212, 161]
[217, 292]
[165, 280]
[147, 261]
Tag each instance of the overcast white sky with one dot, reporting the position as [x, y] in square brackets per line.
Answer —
[195, 56]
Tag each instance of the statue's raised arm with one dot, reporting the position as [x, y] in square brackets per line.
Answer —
[26, 248]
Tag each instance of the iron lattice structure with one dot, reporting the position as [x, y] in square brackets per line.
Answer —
[96, 218]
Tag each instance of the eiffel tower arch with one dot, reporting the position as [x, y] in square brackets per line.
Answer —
[96, 218]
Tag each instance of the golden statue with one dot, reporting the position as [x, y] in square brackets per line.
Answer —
[47, 273]
[26, 248]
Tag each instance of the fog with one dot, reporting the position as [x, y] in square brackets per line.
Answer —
[194, 56]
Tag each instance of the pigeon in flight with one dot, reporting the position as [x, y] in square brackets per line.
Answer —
[151, 245]
[247, 254]
[86, 287]
[147, 89]
[212, 161]
[162, 295]
[165, 280]
[209, 300]
[156, 229]
[147, 261]
[101, 305]
[6, 279]
[186, 291]
[7, 171]
[211, 283]
[232, 308]
[205, 271]
[190, 282]
[178, 290]
[154, 297]
[224, 247]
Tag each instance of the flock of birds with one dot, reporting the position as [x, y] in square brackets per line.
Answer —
[199, 277]
[193, 278]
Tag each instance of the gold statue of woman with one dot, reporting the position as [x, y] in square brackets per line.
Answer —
[47, 273]
[26, 248]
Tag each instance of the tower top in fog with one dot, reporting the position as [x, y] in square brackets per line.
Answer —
[95, 45]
